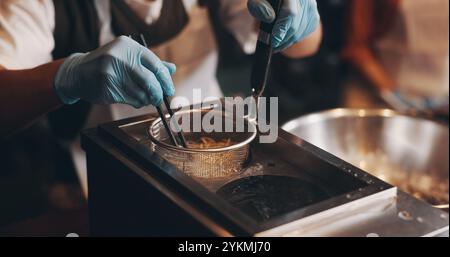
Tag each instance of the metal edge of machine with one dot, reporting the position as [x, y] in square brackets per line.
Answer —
[234, 216]
[113, 128]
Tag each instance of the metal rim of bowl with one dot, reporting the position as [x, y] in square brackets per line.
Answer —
[352, 112]
[190, 150]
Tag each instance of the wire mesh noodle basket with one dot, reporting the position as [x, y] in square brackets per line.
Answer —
[217, 162]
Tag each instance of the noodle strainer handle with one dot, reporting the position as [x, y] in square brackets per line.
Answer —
[263, 53]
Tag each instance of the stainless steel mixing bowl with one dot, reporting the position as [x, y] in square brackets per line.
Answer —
[408, 152]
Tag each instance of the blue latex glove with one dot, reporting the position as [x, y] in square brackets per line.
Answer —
[297, 20]
[120, 72]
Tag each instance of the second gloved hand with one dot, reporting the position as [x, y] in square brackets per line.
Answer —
[120, 72]
[297, 20]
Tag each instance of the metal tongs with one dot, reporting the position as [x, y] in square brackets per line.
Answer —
[181, 142]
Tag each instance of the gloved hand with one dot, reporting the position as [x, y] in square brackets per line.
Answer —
[297, 20]
[120, 72]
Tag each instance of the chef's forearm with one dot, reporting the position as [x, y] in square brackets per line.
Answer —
[307, 47]
[25, 95]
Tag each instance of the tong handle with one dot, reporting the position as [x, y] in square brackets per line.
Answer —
[180, 132]
[172, 138]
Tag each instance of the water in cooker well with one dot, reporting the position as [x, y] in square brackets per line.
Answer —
[267, 196]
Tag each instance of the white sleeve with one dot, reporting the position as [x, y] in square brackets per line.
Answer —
[26, 33]
[237, 19]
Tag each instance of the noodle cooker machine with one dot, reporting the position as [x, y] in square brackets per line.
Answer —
[288, 188]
